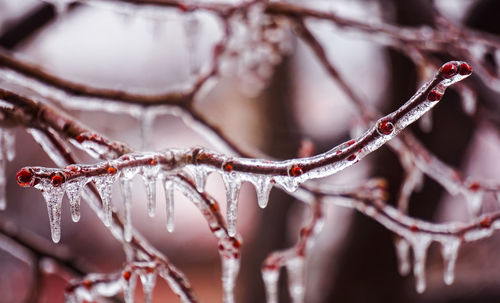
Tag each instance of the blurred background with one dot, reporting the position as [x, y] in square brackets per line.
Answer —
[155, 50]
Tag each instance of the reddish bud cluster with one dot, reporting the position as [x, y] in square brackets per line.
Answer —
[351, 157]
[434, 95]
[385, 127]
[57, 179]
[111, 170]
[464, 69]
[486, 222]
[414, 228]
[449, 70]
[227, 167]
[126, 275]
[24, 177]
[295, 171]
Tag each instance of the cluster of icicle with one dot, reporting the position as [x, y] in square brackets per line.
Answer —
[95, 286]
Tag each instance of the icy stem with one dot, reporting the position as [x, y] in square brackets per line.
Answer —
[104, 185]
[263, 186]
[403, 254]
[271, 277]
[230, 268]
[53, 197]
[126, 191]
[73, 190]
[151, 195]
[233, 184]
[296, 287]
[168, 187]
[420, 245]
[449, 250]
[7, 153]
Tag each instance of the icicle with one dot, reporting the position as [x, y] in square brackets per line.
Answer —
[270, 278]
[3, 181]
[474, 201]
[104, 186]
[199, 175]
[290, 184]
[73, 190]
[449, 250]
[230, 268]
[151, 195]
[425, 122]
[146, 119]
[420, 245]
[126, 191]
[263, 186]
[233, 185]
[148, 280]
[296, 286]
[53, 196]
[129, 282]
[168, 187]
[403, 254]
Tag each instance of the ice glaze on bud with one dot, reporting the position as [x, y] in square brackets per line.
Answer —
[434, 95]
[449, 70]
[24, 177]
[464, 69]
[57, 179]
[385, 127]
[295, 171]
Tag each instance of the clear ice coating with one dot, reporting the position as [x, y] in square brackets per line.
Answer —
[474, 201]
[73, 191]
[126, 190]
[199, 174]
[53, 197]
[232, 184]
[449, 250]
[230, 269]
[149, 175]
[168, 188]
[104, 185]
[271, 277]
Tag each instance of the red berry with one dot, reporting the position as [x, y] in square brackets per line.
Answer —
[57, 179]
[414, 228]
[126, 275]
[24, 177]
[434, 96]
[80, 138]
[464, 69]
[385, 127]
[227, 167]
[485, 223]
[111, 170]
[449, 70]
[295, 171]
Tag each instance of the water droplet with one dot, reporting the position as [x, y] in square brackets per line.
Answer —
[232, 185]
[449, 250]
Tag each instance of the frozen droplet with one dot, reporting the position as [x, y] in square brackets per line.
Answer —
[449, 250]
[74, 190]
[104, 185]
[230, 269]
[420, 244]
[53, 197]
[126, 190]
[263, 186]
[403, 254]
[168, 187]
[148, 280]
[296, 287]
[233, 185]
[146, 120]
[270, 278]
